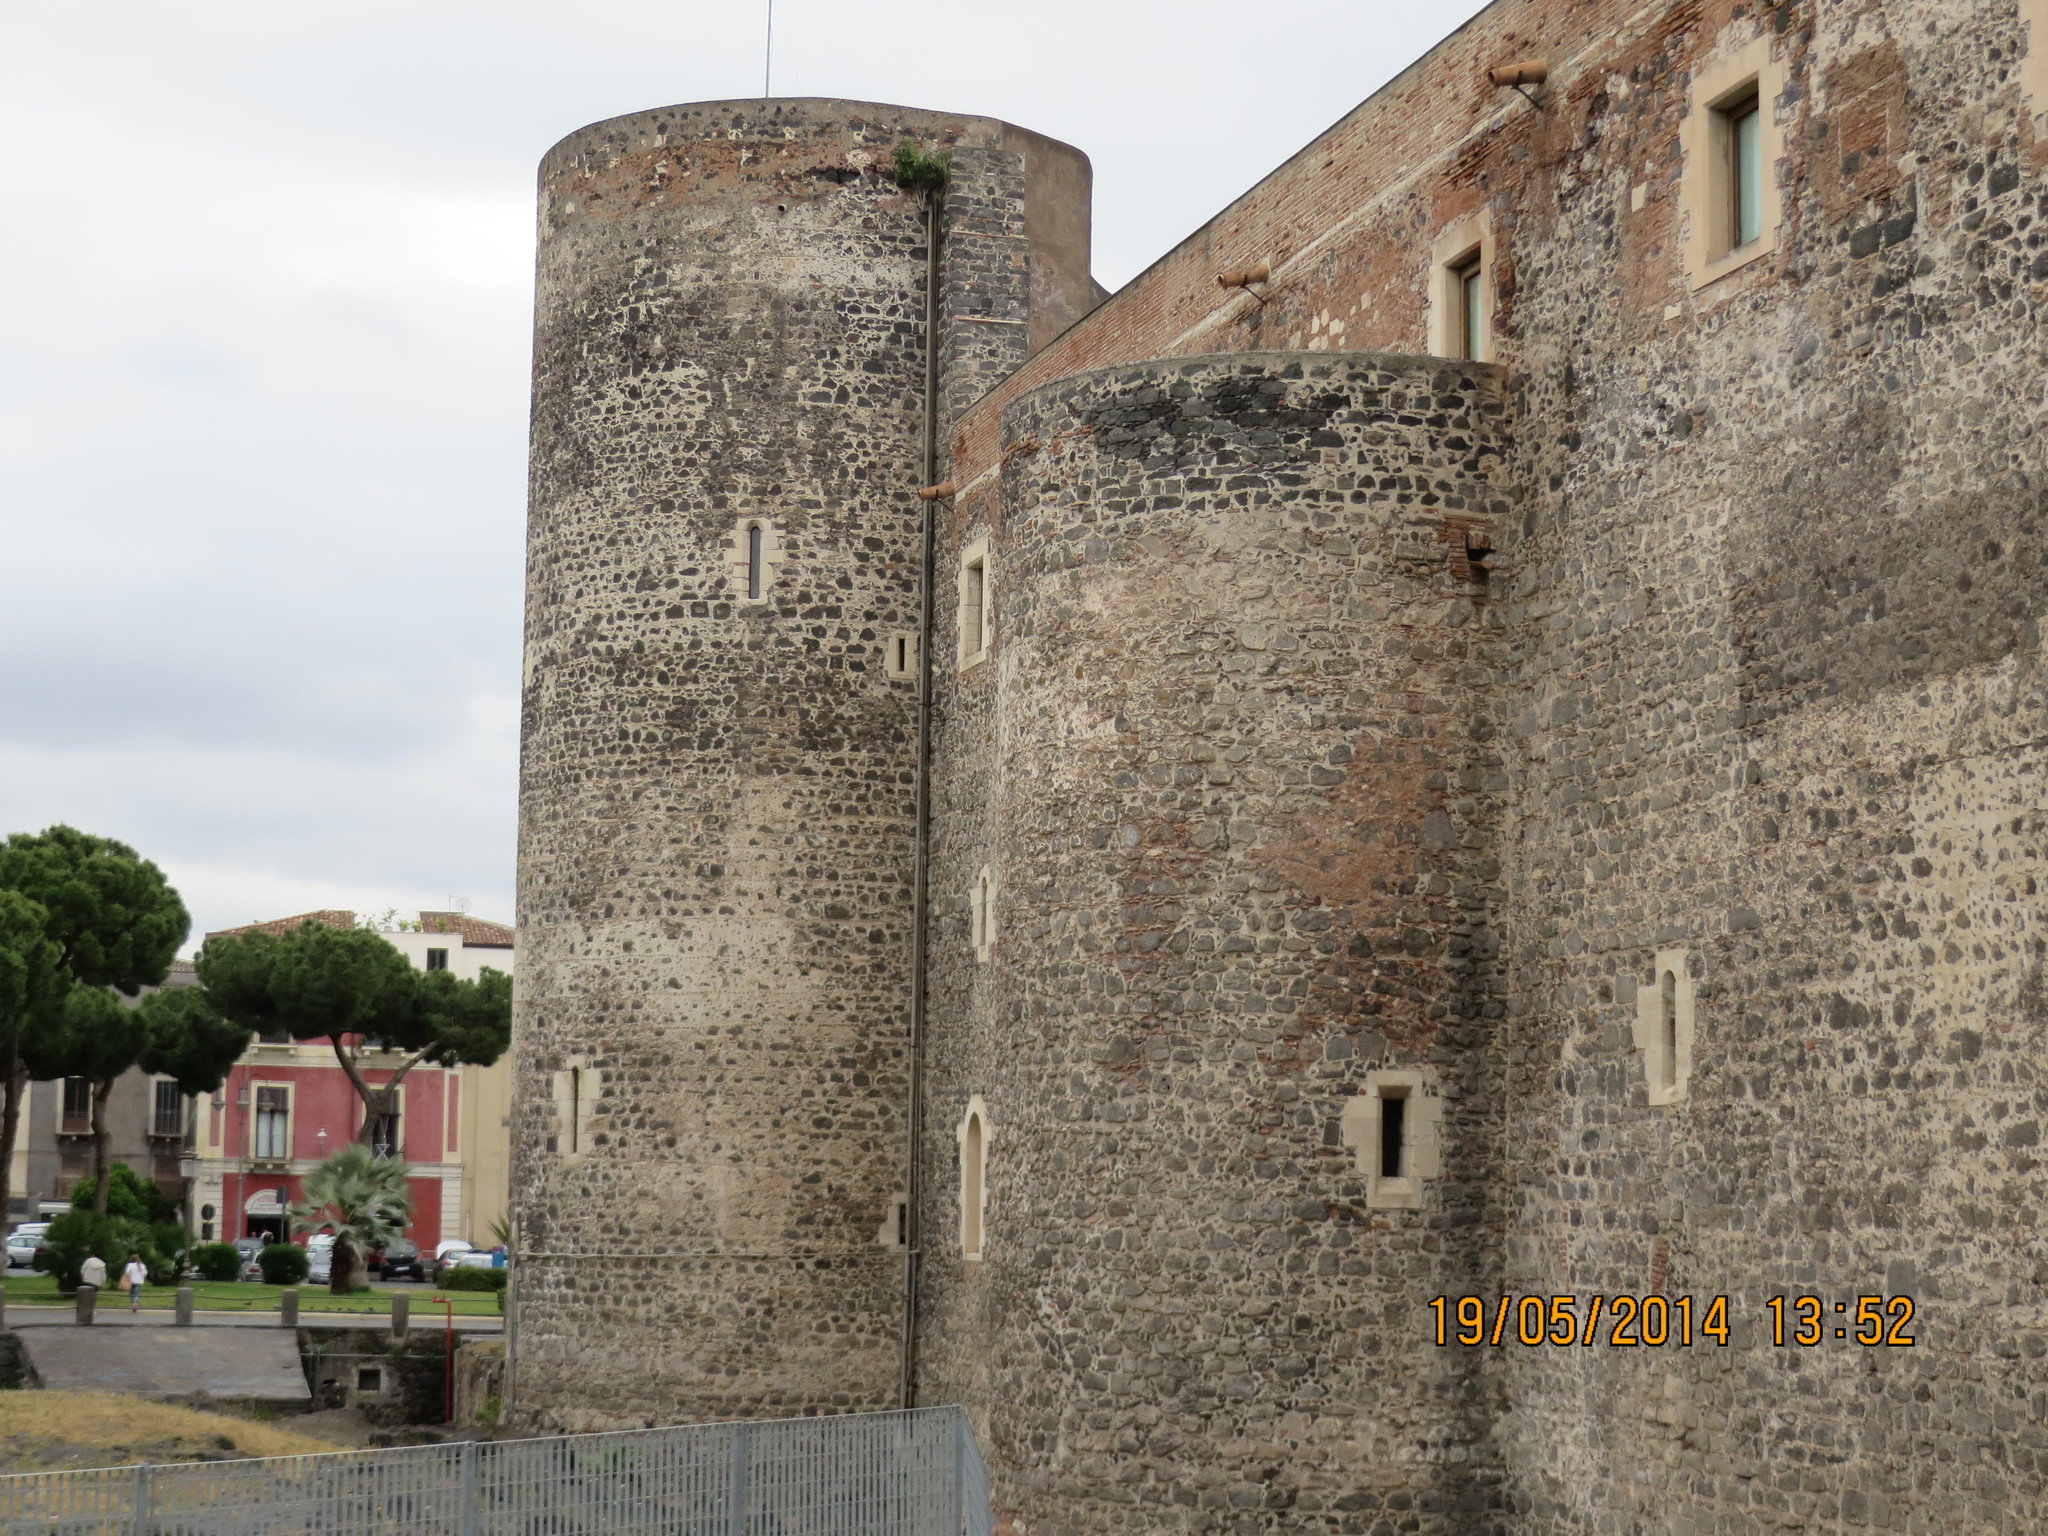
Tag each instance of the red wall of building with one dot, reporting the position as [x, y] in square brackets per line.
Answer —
[323, 1100]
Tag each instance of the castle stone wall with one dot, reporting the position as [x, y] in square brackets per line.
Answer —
[1230, 768]
[717, 793]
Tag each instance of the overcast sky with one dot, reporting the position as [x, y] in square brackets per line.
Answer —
[264, 323]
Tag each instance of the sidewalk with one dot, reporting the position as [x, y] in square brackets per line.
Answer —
[423, 1320]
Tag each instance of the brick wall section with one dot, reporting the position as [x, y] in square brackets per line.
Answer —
[1232, 761]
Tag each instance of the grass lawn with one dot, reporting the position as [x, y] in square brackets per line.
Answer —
[57, 1431]
[31, 1290]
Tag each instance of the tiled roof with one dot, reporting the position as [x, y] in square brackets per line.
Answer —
[327, 917]
[477, 932]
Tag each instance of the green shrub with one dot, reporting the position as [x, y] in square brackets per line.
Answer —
[917, 171]
[217, 1261]
[78, 1233]
[283, 1263]
[473, 1280]
[129, 1196]
[165, 1253]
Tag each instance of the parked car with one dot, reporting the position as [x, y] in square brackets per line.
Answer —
[248, 1248]
[320, 1258]
[399, 1259]
[471, 1258]
[23, 1242]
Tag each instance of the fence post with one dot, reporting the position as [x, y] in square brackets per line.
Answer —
[401, 1314]
[736, 1485]
[288, 1307]
[184, 1314]
[960, 1466]
[469, 1509]
[87, 1295]
[142, 1510]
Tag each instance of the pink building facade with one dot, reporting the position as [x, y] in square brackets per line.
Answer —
[287, 1105]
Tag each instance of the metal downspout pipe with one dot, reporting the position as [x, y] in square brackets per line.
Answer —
[921, 846]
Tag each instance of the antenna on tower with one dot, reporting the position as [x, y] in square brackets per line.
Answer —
[768, 54]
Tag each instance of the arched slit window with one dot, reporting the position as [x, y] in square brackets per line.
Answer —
[755, 574]
[983, 913]
[973, 1178]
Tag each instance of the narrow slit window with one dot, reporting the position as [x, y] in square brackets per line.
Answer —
[982, 913]
[974, 607]
[1667, 1029]
[899, 656]
[754, 571]
[1393, 1135]
[902, 1223]
[973, 1172]
[1745, 147]
[575, 1109]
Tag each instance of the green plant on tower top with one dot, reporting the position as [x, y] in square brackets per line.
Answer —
[917, 171]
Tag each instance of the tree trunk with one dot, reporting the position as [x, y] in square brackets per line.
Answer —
[16, 1079]
[341, 1272]
[100, 1139]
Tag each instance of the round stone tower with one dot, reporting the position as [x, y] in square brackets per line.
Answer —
[1217, 1107]
[732, 411]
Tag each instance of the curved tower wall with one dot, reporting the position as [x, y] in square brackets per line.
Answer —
[717, 793]
[1230, 768]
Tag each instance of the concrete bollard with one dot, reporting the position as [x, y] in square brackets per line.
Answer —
[401, 1314]
[87, 1295]
[3, 1306]
[288, 1306]
[184, 1318]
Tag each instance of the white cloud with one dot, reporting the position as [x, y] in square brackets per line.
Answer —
[264, 327]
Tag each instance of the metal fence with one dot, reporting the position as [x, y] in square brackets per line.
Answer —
[915, 1473]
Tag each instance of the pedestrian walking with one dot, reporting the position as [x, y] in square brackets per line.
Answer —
[93, 1272]
[134, 1277]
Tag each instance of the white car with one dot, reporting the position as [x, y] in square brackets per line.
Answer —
[22, 1243]
[320, 1258]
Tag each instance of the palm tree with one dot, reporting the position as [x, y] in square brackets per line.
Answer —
[363, 1199]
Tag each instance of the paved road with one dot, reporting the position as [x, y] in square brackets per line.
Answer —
[225, 1354]
[256, 1363]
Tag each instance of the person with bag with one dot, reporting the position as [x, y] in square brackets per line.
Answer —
[135, 1276]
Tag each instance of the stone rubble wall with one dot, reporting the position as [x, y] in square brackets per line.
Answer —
[716, 794]
[1233, 765]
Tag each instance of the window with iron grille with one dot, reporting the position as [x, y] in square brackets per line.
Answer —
[169, 1118]
[77, 1103]
[273, 1115]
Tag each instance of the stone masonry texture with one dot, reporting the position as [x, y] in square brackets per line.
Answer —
[1346, 711]
[717, 794]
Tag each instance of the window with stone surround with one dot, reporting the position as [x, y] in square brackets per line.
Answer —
[753, 554]
[982, 913]
[1461, 289]
[1664, 1026]
[1729, 189]
[899, 657]
[976, 617]
[1394, 1131]
[575, 1099]
[973, 1135]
